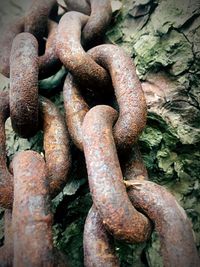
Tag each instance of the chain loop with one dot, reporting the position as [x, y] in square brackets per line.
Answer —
[105, 178]
[24, 84]
[56, 147]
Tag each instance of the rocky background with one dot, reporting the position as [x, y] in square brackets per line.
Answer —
[163, 38]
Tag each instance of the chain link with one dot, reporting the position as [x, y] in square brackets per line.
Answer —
[125, 210]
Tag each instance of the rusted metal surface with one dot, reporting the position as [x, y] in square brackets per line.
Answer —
[98, 22]
[106, 180]
[6, 186]
[6, 252]
[24, 85]
[171, 222]
[133, 166]
[98, 244]
[129, 95]
[72, 54]
[36, 17]
[49, 63]
[75, 110]
[128, 91]
[79, 5]
[56, 146]
[6, 40]
[32, 219]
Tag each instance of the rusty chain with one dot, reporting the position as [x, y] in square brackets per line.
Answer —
[126, 210]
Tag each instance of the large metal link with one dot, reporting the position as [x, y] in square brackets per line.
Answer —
[24, 67]
[106, 180]
[35, 22]
[49, 63]
[36, 17]
[128, 91]
[170, 220]
[32, 219]
[56, 147]
[72, 54]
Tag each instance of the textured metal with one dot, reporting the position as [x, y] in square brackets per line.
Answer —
[75, 110]
[171, 222]
[129, 95]
[79, 5]
[32, 220]
[98, 244]
[24, 84]
[72, 54]
[36, 17]
[6, 252]
[49, 63]
[128, 91]
[98, 22]
[106, 180]
[99, 249]
[6, 186]
[56, 146]
[6, 40]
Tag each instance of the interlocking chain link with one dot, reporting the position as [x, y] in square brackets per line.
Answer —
[125, 210]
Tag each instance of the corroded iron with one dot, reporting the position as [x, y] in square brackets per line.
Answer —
[37, 23]
[72, 54]
[6, 252]
[49, 63]
[24, 84]
[122, 209]
[98, 22]
[32, 219]
[98, 244]
[75, 110]
[128, 91]
[129, 95]
[106, 180]
[79, 5]
[56, 147]
[6, 40]
[6, 185]
[36, 17]
[170, 220]
[171, 223]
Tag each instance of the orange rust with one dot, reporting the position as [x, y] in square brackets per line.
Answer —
[24, 85]
[106, 180]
